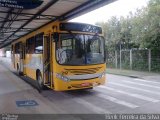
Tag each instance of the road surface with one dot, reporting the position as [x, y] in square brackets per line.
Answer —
[120, 94]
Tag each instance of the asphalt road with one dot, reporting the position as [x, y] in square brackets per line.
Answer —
[120, 94]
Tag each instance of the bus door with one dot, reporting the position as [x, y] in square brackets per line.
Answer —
[22, 57]
[47, 60]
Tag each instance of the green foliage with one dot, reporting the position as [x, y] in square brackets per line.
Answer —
[140, 60]
[155, 61]
[138, 30]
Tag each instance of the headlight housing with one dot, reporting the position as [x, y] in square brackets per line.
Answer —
[102, 75]
[64, 78]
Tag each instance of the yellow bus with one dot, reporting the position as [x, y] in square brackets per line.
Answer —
[62, 56]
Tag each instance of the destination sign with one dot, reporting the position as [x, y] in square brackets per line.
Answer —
[80, 27]
[21, 4]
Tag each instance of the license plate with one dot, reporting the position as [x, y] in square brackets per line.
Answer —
[85, 84]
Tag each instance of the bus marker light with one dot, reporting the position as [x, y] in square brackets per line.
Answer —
[95, 84]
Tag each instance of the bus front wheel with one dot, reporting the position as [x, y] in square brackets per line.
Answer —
[40, 82]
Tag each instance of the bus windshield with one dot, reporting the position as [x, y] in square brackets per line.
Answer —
[80, 49]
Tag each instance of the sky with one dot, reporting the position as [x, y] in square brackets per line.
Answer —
[118, 8]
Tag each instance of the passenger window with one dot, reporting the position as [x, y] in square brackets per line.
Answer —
[12, 49]
[17, 48]
[30, 45]
[67, 44]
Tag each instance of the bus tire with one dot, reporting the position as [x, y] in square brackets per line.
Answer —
[18, 70]
[40, 82]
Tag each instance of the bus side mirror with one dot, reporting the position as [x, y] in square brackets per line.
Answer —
[55, 36]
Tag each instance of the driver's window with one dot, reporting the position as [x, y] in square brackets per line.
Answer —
[95, 46]
[67, 44]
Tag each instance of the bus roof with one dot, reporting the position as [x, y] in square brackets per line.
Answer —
[16, 23]
[81, 27]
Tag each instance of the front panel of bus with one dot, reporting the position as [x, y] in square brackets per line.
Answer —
[79, 57]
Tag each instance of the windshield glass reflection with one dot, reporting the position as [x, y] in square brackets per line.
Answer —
[77, 49]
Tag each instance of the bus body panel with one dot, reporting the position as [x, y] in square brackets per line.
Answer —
[77, 81]
[34, 62]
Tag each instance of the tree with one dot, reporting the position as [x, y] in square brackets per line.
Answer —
[140, 29]
[152, 37]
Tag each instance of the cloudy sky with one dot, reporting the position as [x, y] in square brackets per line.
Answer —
[118, 8]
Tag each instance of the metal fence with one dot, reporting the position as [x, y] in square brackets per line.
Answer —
[134, 59]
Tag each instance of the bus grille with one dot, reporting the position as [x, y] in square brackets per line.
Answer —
[83, 71]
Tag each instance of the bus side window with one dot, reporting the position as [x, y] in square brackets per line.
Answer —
[12, 49]
[39, 43]
[30, 45]
[17, 47]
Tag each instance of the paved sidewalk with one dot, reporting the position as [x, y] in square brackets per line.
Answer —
[7, 63]
[136, 74]
[13, 89]
[7, 60]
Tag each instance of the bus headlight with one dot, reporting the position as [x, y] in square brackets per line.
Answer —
[64, 78]
[102, 75]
